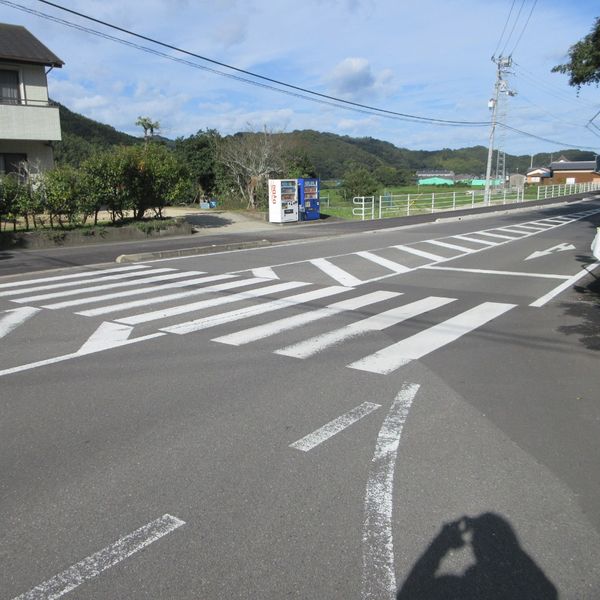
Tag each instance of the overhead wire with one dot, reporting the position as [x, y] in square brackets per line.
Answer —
[524, 27]
[513, 27]
[512, 6]
[294, 91]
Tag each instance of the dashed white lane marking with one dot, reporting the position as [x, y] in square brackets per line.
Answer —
[377, 322]
[55, 286]
[186, 308]
[15, 317]
[108, 286]
[492, 272]
[260, 332]
[137, 291]
[416, 346]
[312, 440]
[102, 310]
[563, 286]
[80, 275]
[266, 272]
[384, 262]
[378, 576]
[339, 275]
[532, 227]
[451, 246]
[467, 238]
[251, 311]
[421, 253]
[104, 559]
[519, 232]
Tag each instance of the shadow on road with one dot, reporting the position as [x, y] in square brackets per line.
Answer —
[208, 221]
[502, 569]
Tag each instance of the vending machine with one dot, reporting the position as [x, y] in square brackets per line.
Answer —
[283, 200]
[308, 199]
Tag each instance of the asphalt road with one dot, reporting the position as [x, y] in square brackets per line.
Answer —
[403, 413]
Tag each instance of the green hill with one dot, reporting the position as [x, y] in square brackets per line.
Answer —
[331, 154]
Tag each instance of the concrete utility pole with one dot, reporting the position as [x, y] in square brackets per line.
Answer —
[501, 87]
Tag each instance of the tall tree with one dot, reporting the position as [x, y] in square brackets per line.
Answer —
[584, 60]
[148, 125]
[250, 158]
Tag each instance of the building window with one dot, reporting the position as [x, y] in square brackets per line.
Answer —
[11, 163]
[9, 87]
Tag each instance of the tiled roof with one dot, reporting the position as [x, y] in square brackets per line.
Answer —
[18, 45]
[572, 165]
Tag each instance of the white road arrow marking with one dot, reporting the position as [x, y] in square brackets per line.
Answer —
[15, 317]
[559, 248]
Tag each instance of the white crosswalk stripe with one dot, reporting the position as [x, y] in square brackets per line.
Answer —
[470, 238]
[11, 319]
[418, 252]
[195, 306]
[260, 332]
[79, 275]
[451, 246]
[377, 322]
[106, 286]
[62, 285]
[384, 262]
[335, 272]
[136, 292]
[416, 346]
[251, 311]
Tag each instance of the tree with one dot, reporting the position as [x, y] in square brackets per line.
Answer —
[358, 181]
[249, 159]
[148, 125]
[584, 60]
[197, 153]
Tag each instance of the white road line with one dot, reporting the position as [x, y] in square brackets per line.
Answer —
[563, 286]
[509, 230]
[416, 346]
[15, 317]
[107, 286]
[451, 246]
[339, 275]
[312, 440]
[137, 291]
[526, 230]
[531, 227]
[104, 559]
[56, 286]
[251, 311]
[186, 308]
[384, 262]
[377, 322]
[260, 332]
[421, 253]
[102, 310]
[497, 235]
[467, 238]
[81, 352]
[545, 223]
[266, 272]
[378, 576]
[492, 272]
[72, 276]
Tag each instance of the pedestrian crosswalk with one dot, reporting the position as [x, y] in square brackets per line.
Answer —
[251, 310]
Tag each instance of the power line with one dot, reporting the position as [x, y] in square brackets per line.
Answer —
[513, 27]
[524, 27]
[512, 6]
[543, 139]
[372, 109]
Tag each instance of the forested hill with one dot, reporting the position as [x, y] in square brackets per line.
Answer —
[332, 155]
[82, 136]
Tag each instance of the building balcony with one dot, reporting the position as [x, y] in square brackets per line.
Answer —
[36, 121]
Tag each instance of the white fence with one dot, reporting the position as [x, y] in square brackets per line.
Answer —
[388, 205]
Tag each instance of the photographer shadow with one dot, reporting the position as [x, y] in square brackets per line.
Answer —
[502, 569]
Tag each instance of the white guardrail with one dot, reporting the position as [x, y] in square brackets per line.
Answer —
[389, 205]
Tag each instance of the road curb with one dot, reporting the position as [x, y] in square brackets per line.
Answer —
[212, 248]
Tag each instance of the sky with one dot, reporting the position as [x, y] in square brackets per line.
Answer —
[430, 58]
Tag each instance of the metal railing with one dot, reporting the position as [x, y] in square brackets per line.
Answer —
[390, 205]
[565, 189]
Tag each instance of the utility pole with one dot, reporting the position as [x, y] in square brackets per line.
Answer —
[501, 87]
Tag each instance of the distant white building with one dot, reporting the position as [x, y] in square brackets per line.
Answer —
[29, 123]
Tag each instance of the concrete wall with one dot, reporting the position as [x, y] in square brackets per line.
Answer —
[39, 154]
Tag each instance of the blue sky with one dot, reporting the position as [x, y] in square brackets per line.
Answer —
[428, 58]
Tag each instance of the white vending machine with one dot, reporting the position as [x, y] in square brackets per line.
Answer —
[283, 200]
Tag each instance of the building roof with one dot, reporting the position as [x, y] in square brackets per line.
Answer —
[573, 165]
[18, 45]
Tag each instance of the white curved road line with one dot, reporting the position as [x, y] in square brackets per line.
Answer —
[378, 577]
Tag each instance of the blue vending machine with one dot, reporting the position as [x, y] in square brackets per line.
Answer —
[308, 199]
